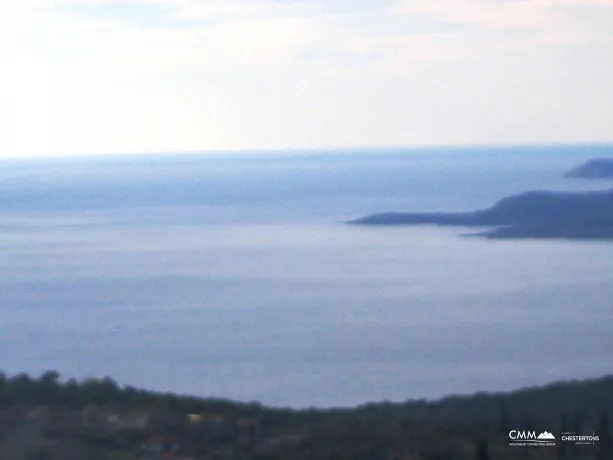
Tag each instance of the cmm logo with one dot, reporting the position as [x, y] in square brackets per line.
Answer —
[522, 435]
[529, 438]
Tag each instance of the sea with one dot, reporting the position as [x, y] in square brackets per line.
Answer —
[233, 275]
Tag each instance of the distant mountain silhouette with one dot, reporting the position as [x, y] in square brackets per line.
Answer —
[598, 168]
[537, 214]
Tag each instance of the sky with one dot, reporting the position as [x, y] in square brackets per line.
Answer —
[125, 76]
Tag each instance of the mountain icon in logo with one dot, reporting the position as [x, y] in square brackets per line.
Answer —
[546, 436]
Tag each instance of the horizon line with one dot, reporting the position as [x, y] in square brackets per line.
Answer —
[304, 150]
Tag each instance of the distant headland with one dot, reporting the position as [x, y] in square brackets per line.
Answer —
[597, 168]
[537, 214]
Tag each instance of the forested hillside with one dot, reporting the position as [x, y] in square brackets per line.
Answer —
[48, 418]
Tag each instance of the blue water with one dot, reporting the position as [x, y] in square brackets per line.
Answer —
[233, 276]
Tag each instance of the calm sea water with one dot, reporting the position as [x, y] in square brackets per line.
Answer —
[233, 275]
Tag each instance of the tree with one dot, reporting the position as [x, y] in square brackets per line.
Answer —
[21, 389]
[94, 391]
[562, 449]
[4, 399]
[504, 426]
[69, 394]
[577, 422]
[482, 451]
[48, 388]
[605, 446]
[49, 378]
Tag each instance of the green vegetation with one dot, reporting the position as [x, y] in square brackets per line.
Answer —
[46, 418]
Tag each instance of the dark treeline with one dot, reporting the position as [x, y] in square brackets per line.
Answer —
[474, 426]
[545, 404]
[49, 390]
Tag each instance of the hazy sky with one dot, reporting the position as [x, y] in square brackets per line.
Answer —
[96, 76]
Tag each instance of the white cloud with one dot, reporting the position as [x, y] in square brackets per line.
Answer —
[136, 75]
[519, 13]
[566, 20]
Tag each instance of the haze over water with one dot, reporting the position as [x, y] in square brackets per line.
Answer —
[233, 276]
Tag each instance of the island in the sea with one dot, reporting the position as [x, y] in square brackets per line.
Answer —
[537, 214]
[598, 168]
